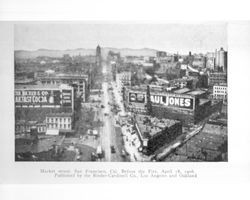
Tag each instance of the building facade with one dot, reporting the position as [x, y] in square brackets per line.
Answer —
[217, 78]
[220, 92]
[98, 56]
[154, 133]
[183, 105]
[123, 79]
[44, 96]
[80, 82]
[59, 122]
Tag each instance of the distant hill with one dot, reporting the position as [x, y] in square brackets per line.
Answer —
[23, 54]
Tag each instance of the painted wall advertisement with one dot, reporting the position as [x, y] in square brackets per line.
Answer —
[137, 97]
[37, 97]
[169, 100]
[173, 100]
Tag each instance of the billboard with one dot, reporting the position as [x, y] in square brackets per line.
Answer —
[37, 97]
[137, 97]
[173, 100]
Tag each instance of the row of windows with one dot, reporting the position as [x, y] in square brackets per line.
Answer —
[220, 88]
[41, 129]
[23, 128]
[60, 126]
[50, 82]
[220, 91]
[27, 128]
[58, 119]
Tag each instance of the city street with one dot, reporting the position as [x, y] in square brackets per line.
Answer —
[118, 136]
[110, 135]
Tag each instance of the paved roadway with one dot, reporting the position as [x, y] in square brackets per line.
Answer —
[105, 131]
[109, 135]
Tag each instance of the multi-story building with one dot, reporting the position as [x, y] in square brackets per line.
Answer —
[98, 56]
[24, 127]
[220, 91]
[34, 102]
[80, 82]
[199, 61]
[210, 60]
[217, 78]
[185, 105]
[58, 122]
[171, 70]
[123, 79]
[44, 96]
[154, 133]
[221, 59]
[52, 124]
[161, 54]
[41, 127]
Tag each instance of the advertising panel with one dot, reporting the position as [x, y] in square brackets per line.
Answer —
[137, 97]
[37, 97]
[172, 100]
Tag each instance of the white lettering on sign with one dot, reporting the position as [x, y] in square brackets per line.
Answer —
[37, 97]
[172, 101]
[31, 99]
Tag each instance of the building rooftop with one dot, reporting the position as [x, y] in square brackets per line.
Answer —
[62, 75]
[137, 105]
[149, 126]
[215, 129]
[221, 84]
[42, 87]
[24, 81]
[182, 91]
[209, 140]
[137, 88]
[22, 122]
[187, 78]
[63, 114]
[218, 73]
[37, 114]
[203, 101]
[36, 87]
[159, 90]
[196, 92]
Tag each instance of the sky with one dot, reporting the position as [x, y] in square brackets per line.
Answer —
[173, 37]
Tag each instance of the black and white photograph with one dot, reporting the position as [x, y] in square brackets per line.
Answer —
[121, 92]
[124, 99]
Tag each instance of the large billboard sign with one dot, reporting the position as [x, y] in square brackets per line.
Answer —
[37, 97]
[166, 99]
[137, 97]
[172, 100]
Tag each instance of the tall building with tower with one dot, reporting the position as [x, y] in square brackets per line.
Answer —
[221, 60]
[98, 56]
